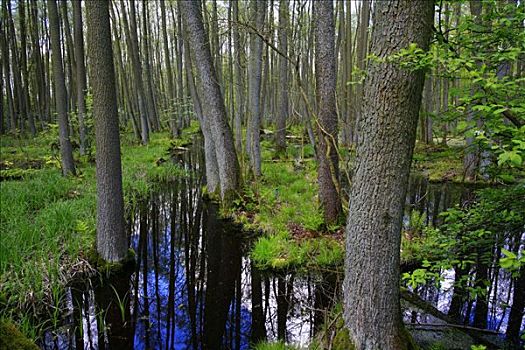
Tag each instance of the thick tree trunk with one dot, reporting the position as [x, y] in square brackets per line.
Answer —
[229, 173]
[68, 165]
[384, 151]
[210, 158]
[327, 157]
[81, 74]
[112, 241]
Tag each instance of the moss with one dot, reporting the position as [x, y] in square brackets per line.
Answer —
[439, 162]
[110, 268]
[11, 338]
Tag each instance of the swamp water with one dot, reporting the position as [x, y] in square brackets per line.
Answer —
[194, 287]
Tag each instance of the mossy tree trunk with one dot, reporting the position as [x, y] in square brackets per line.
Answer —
[384, 150]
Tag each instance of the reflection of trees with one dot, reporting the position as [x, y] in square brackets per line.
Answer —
[191, 287]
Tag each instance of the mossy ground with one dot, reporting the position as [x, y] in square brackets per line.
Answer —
[283, 205]
[11, 338]
[48, 221]
[439, 162]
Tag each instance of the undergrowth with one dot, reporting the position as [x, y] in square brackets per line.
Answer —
[48, 221]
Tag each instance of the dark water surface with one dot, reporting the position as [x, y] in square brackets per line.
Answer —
[194, 286]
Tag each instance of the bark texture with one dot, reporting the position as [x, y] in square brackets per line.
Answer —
[327, 157]
[229, 174]
[66, 151]
[282, 116]
[112, 241]
[81, 74]
[384, 150]
[254, 87]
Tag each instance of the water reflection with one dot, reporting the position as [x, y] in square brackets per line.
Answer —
[192, 287]
[491, 308]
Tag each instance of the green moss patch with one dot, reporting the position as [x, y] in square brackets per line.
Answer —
[11, 338]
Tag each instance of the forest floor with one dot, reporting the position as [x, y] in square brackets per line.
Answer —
[283, 204]
[48, 221]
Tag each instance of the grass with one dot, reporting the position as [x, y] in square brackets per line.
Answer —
[283, 205]
[48, 221]
[273, 346]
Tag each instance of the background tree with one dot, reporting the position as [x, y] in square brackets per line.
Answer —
[81, 74]
[258, 13]
[228, 165]
[66, 151]
[327, 131]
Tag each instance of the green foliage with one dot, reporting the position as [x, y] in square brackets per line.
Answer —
[478, 347]
[468, 236]
[420, 277]
[479, 54]
[512, 262]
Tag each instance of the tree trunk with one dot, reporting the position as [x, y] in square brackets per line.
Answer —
[39, 77]
[133, 48]
[112, 241]
[152, 110]
[517, 309]
[23, 66]
[210, 158]
[361, 52]
[68, 165]
[327, 156]
[239, 78]
[81, 74]
[254, 86]
[4, 48]
[384, 151]
[169, 73]
[471, 161]
[282, 114]
[229, 174]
